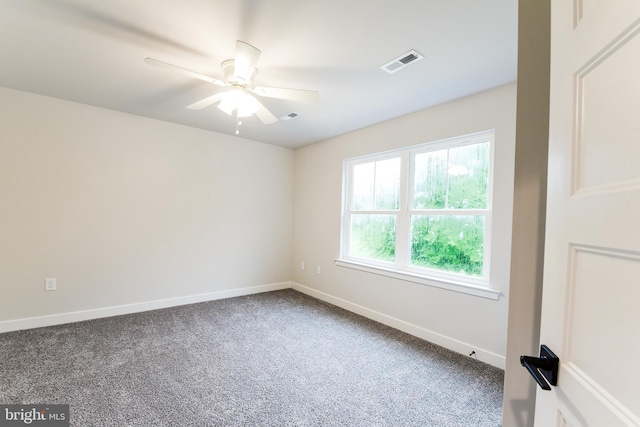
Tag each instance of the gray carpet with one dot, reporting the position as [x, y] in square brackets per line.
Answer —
[273, 359]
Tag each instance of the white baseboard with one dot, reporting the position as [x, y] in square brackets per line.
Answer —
[78, 316]
[417, 331]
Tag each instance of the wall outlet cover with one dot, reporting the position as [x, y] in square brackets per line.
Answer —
[50, 284]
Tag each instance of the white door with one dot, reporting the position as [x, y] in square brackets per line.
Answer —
[591, 296]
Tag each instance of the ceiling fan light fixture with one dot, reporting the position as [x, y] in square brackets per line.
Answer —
[247, 105]
[239, 73]
[238, 99]
[229, 101]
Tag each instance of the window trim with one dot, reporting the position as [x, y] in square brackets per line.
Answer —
[436, 282]
[401, 268]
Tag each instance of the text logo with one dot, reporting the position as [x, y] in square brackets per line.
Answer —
[34, 415]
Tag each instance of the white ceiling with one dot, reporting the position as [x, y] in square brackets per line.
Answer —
[92, 51]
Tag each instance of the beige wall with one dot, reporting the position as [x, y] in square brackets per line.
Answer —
[134, 213]
[126, 210]
[532, 136]
[458, 321]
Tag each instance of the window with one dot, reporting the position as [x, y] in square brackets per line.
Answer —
[424, 211]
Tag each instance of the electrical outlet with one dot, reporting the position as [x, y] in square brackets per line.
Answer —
[50, 284]
[317, 269]
[302, 265]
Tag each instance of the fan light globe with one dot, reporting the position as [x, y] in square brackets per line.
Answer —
[247, 105]
[238, 99]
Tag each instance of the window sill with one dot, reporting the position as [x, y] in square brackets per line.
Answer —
[450, 285]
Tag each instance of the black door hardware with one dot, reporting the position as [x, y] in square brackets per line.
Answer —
[543, 369]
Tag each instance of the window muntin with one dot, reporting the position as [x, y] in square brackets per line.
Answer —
[425, 210]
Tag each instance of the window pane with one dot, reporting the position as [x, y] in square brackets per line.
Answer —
[449, 243]
[387, 189]
[468, 176]
[376, 185]
[363, 185]
[430, 180]
[373, 237]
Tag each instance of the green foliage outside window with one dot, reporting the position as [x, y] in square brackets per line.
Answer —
[449, 243]
[373, 237]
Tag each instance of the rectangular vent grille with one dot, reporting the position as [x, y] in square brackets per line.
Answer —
[409, 58]
[401, 61]
[292, 115]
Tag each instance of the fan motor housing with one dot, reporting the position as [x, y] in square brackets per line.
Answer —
[229, 73]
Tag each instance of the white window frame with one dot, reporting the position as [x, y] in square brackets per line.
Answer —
[401, 268]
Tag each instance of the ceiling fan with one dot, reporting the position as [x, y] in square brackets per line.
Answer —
[239, 73]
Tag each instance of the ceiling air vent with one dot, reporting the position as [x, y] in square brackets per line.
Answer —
[402, 61]
[289, 116]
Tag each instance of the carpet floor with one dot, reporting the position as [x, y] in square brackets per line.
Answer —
[273, 359]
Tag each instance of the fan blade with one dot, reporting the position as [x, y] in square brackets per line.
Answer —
[245, 61]
[210, 100]
[264, 114]
[291, 94]
[172, 67]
